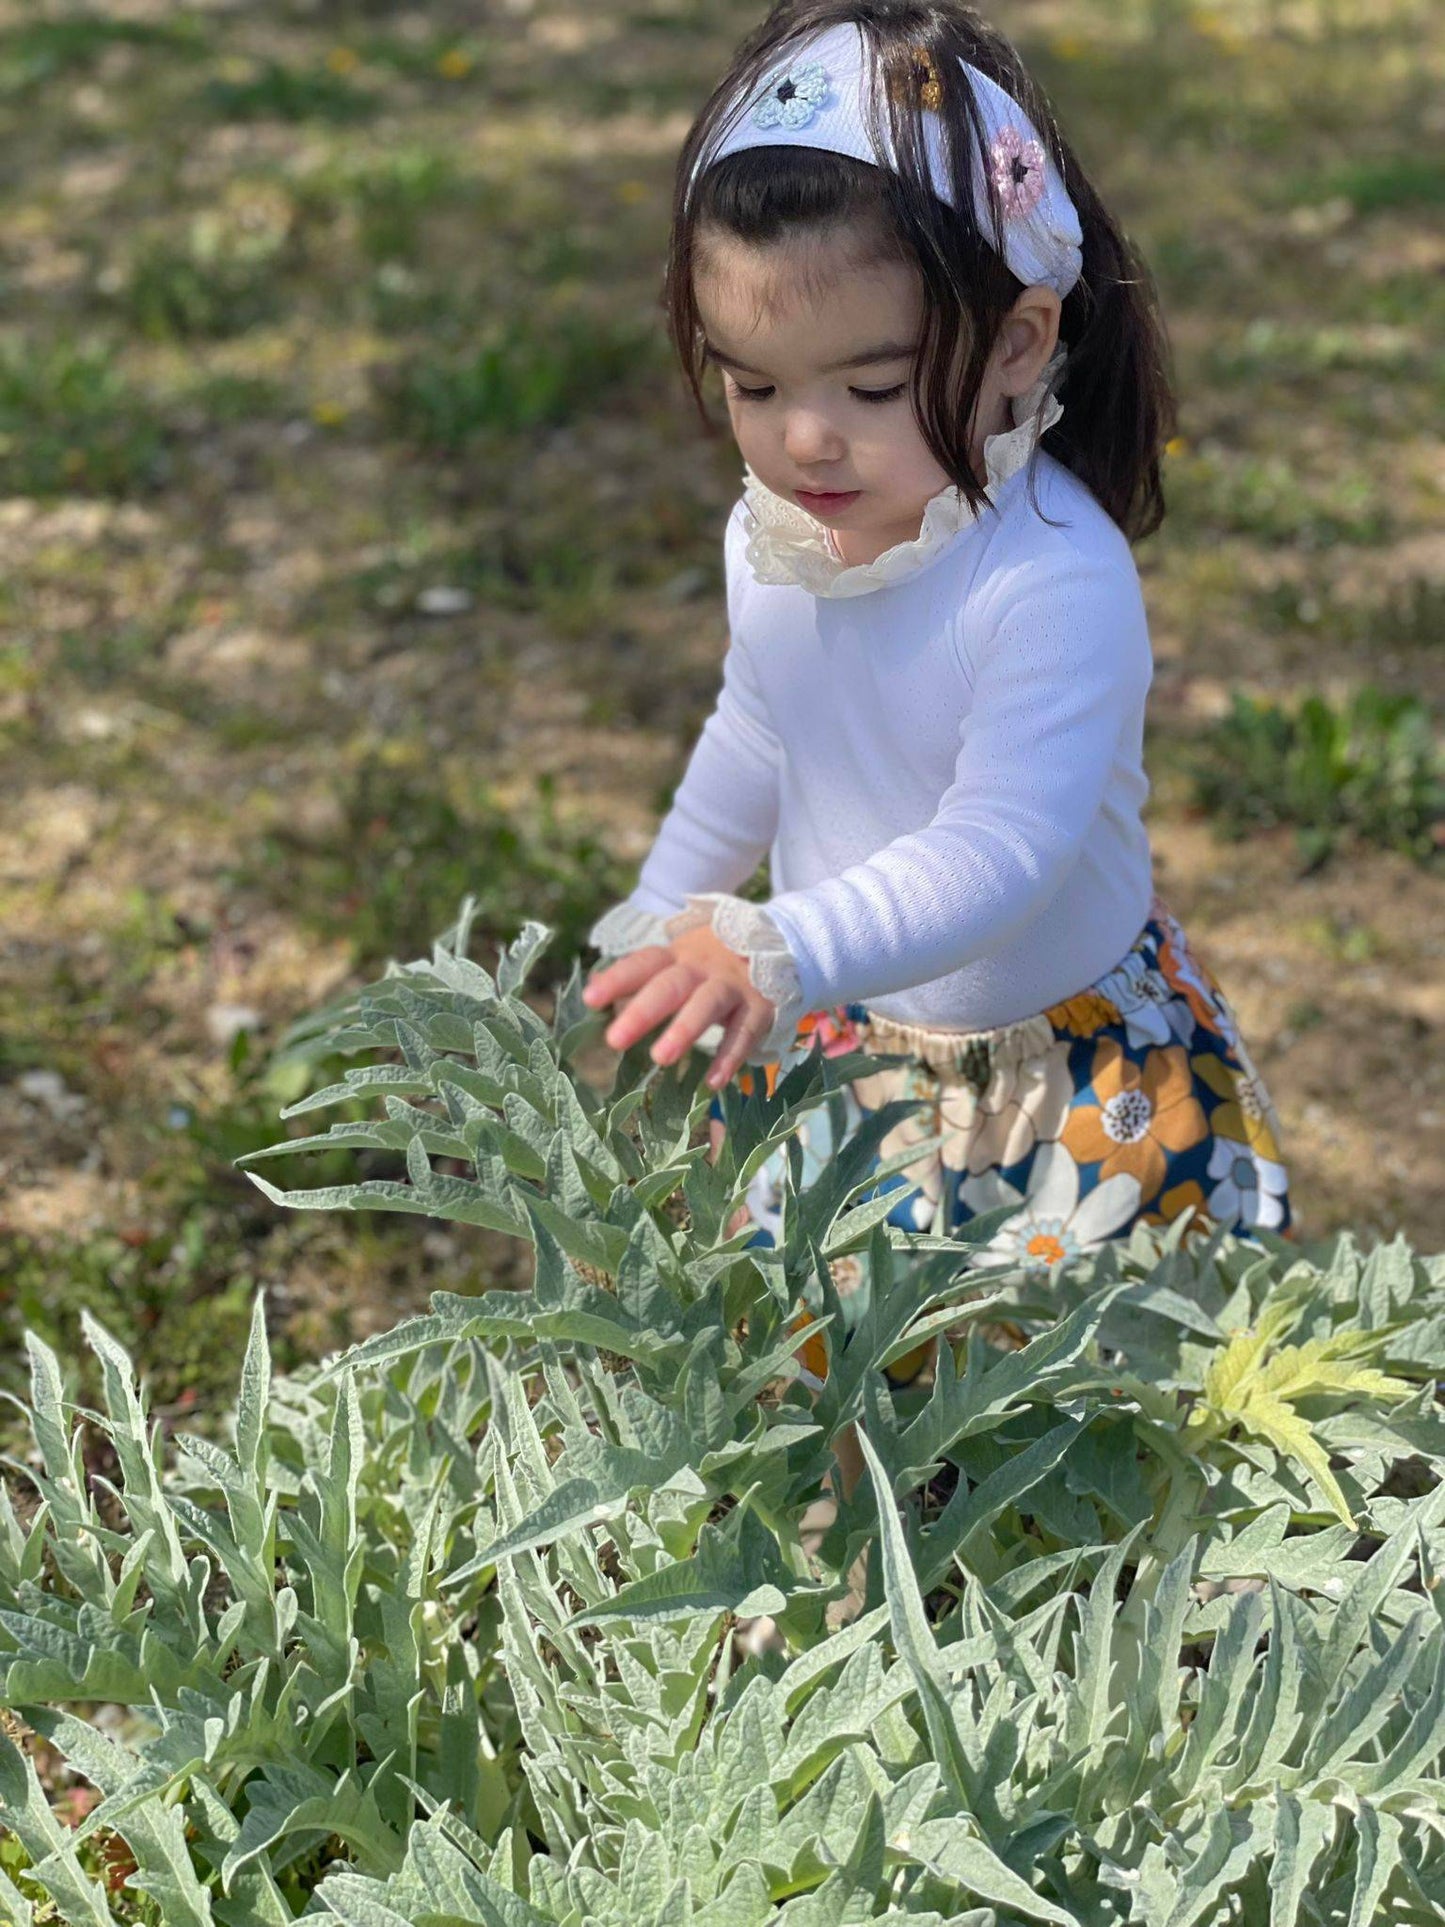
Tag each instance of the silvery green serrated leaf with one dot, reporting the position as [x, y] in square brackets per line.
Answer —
[1009, 1591]
[26, 1813]
[1154, 1700]
[1419, 1748]
[837, 1717]
[1233, 1670]
[960, 1407]
[354, 1899]
[154, 1832]
[392, 1134]
[1387, 1283]
[951, 1851]
[456, 1199]
[293, 1799]
[449, 1881]
[1107, 1463]
[1363, 1708]
[588, 1240]
[1376, 1578]
[15, 1909]
[804, 1673]
[255, 1899]
[1301, 1831]
[970, 1512]
[1091, 1702]
[461, 975]
[749, 1740]
[530, 1127]
[1274, 1717]
[1317, 1560]
[746, 1901]
[1393, 1434]
[572, 1504]
[1218, 1860]
[372, 1080]
[50, 1664]
[1377, 1853]
[514, 962]
[59, 1449]
[22, 1549]
[949, 1724]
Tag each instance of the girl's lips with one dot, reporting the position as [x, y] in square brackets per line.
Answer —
[835, 500]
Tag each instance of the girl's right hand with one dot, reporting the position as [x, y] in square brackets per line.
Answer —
[697, 982]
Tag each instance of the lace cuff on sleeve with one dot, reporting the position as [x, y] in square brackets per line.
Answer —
[750, 931]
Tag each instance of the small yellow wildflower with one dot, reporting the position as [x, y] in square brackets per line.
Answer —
[1176, 445]
[454, 64]
[343, 60]
[328, 413]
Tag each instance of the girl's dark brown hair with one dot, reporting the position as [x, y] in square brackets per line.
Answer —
[1116, 390]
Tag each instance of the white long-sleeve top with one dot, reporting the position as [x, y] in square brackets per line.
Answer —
[940, 752]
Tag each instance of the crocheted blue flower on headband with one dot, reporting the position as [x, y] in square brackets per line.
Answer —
[792, 97]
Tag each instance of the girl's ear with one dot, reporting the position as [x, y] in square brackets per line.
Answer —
[1029, 335]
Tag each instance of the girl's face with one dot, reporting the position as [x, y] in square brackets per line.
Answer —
[816, 354]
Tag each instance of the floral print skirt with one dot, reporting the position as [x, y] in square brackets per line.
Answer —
[1134, 1100]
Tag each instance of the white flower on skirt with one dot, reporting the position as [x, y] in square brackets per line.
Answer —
[1055, 1224]
[1250, 1186]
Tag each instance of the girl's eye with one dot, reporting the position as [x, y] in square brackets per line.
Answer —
[859, 394]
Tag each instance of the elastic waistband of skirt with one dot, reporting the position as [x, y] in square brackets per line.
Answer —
[974, 1052]
[977, 1053]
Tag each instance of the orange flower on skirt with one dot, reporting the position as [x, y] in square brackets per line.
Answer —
[1174, 1202]
[1143, 1113]
[1082, 1015]
[1191, 978]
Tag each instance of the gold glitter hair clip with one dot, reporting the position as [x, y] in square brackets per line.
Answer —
[918, 81]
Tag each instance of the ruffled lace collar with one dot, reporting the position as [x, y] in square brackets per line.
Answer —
[786, 544]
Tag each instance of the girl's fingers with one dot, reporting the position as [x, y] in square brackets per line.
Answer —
[657, 999]
[625, 975]
[743, 1030]
[706, 1004]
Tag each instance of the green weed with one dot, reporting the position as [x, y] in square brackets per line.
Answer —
[216, 280]
[411, 844]
[1268, 497]
[528, 372]
[1409, 614]
[275, 91]
[1372, 769]
[42, 51]
[69, 419]
[1411, 179]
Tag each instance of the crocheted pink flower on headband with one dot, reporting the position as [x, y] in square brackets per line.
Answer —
[1018, 172]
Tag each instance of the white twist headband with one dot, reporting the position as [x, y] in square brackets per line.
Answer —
[817, 100]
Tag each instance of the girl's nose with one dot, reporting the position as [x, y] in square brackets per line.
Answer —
[810, 437]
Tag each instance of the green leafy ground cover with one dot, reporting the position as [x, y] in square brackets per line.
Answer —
[358, 551]
[543, 1606]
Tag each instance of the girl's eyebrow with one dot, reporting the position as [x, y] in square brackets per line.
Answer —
[885, 351]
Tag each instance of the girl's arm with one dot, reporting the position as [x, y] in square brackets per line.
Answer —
[1059, 658]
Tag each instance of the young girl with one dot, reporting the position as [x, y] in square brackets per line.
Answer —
[946, 378]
